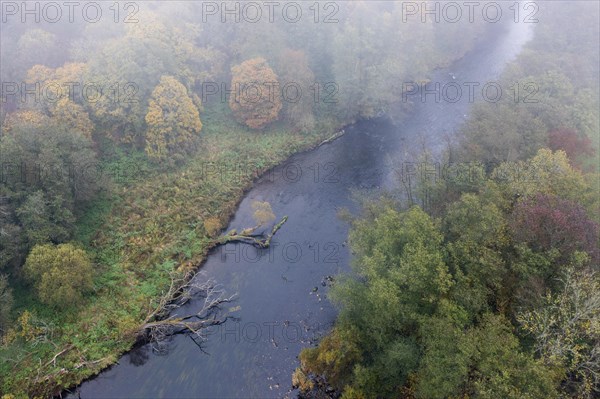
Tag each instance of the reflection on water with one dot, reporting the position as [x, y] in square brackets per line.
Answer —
[139, 356]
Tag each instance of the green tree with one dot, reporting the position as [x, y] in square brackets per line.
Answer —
[566, 329]
[476, 234]
[6, 303]
[445, 364]
[426, 310]
[401, 279]
[50, 173]
[45, 219]
[500, 369]
[11, 243]
[480, 361]
[61, 274]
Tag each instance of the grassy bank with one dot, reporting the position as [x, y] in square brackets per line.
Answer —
[142, 230]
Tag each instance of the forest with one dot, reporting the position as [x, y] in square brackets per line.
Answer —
[490, 289]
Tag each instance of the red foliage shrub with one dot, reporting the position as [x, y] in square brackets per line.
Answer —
[572, 143]
[545, 222]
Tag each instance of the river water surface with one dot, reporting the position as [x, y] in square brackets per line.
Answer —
[281, 302]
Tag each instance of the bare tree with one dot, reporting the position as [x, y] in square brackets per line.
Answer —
[163, 322]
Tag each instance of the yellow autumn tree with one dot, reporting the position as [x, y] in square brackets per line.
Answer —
[73, 116]
[39, 73]
[548, 173]
[61, 89]
[256, 100]
[57, 84]
[173, 120]
[61, 274]
[25, 117]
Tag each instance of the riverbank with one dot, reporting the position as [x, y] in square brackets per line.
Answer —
[146, 231]
[154, 225]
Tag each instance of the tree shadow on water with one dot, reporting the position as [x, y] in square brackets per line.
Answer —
[139, 356]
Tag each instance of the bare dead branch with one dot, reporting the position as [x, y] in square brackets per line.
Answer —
[158, 330]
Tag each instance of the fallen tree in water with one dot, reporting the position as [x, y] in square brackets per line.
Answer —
[158, 327]
[164, 322]
[246, 236]
[263, 214]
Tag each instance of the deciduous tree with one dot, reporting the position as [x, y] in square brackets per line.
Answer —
[256, 100]
[61, 274]
[173, 120]
[572, 143]
[566, 328]
[6, 302]
[547, 222]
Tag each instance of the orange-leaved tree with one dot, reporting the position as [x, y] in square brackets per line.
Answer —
[256, 99]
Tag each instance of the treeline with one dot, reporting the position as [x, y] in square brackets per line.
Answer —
[554, 101]
[492, 290]
[84, 101]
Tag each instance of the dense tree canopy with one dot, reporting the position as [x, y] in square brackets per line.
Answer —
[50, 169]
[6, 302]
[550, 97]
[109, 96]
[432, 307]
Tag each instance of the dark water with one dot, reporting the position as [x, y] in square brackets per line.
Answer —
[282, 301]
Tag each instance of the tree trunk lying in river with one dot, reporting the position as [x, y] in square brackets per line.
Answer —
[164, 321]
[156, 329]
[258, 240]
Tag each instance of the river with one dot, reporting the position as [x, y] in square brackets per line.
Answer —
[281, 302]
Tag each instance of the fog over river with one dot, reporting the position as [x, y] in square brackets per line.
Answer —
[282, 291]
